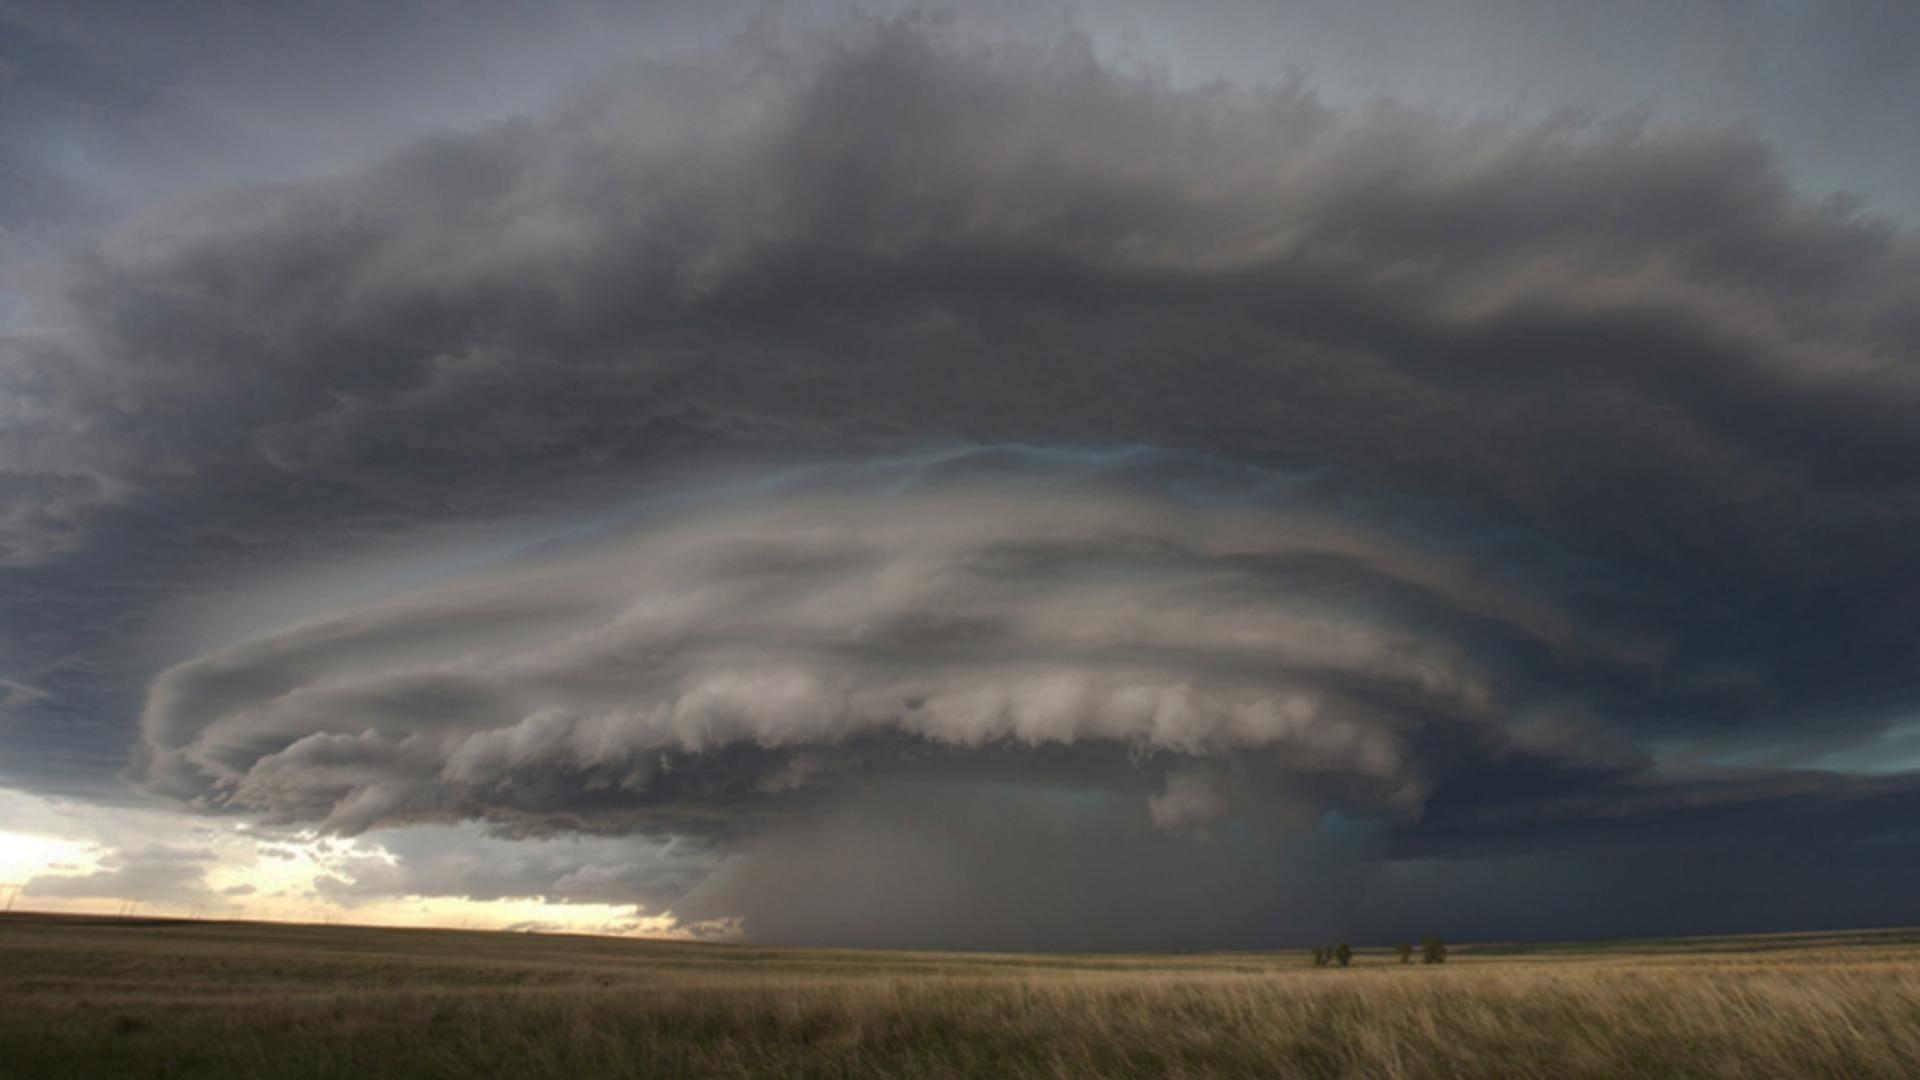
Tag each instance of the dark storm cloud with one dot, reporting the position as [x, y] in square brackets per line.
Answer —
[443, 862]
[858, 228]
[945, 863]
[1655, 406]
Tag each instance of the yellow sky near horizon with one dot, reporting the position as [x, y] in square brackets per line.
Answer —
[62, 857]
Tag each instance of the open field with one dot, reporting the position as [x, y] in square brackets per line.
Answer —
[99, 997]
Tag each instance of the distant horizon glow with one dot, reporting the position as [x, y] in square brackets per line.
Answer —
[271, 876]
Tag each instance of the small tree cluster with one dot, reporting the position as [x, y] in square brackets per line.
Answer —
[1341, 954]
[1432, 951]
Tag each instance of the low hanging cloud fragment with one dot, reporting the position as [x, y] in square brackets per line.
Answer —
[153, 875]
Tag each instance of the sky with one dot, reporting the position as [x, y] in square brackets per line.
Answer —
[1109, 476]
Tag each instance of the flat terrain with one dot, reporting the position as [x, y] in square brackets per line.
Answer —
[99, 998]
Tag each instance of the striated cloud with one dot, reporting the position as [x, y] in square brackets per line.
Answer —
[749, 652]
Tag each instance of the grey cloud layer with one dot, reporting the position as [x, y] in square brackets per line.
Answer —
[810, 241]
[154, 876]
[466, 863]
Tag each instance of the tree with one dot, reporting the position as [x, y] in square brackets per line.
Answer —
[1433, 951]
[1404, 951]
[1320, 955]
[1343, 953]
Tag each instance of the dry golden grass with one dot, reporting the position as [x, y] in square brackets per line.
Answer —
[106, 998]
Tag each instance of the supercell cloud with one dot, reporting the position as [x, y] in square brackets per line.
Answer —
[743, 655]
[910, 488]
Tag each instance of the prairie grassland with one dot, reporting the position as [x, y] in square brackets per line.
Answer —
[101, 998]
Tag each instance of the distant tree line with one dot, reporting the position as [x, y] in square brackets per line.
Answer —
[1432, 951]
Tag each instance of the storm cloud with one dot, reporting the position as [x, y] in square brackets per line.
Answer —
[806, 627]
[878, 410]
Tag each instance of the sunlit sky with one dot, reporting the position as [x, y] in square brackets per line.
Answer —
[249, 873]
